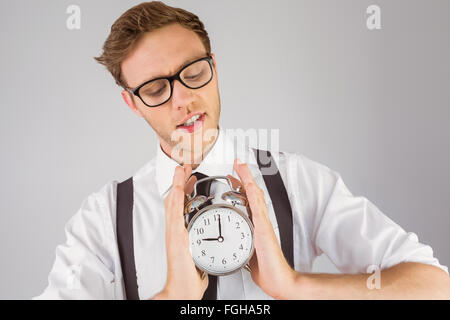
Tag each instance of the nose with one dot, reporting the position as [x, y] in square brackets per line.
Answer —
[182, 96]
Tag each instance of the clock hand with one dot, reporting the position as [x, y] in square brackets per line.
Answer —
[220, 238]
[210, 239]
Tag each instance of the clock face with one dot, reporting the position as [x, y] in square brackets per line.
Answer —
[221, 239]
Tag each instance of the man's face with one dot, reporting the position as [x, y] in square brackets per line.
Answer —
[162, 53]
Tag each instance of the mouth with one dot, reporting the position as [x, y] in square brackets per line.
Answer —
[194, 122]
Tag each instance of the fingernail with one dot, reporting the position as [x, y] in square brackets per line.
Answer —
[238, 161]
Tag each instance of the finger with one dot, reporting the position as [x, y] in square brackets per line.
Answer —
[243, 172]
[235, 183]
[178, 177]
[175, 199]
[189, 186]
[254, 194]
[187, 172]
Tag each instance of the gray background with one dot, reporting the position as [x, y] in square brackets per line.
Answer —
[372, 105]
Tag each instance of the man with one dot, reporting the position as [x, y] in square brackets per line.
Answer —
[148, 44]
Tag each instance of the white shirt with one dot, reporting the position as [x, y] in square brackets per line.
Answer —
[327, 218]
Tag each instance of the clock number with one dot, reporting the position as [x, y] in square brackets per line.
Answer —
[207, 223]
[242, 235]
[212, 259]
[203, 253]
[234, 256]
[241, 247]
[224, 261]
[237, 225]
[216, 216]
[229, 219]
[200, 231]
[199, 242]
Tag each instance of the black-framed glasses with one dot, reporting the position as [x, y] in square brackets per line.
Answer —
[158, 91]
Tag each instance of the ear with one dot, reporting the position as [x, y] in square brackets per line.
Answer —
[214, 61]
[126, 95]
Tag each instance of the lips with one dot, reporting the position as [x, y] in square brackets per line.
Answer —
[189, 117]
[192, 122]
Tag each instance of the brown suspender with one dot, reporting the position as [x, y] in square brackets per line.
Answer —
[124, 221]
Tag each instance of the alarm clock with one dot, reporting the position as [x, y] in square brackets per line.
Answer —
[220, 234]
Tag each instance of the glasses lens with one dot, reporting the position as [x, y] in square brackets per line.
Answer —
[155, 92]
[197, 74]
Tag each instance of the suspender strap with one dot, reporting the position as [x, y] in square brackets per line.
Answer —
[280, 202]
[125, 237]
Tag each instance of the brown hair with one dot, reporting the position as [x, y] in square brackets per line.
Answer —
[142, 18]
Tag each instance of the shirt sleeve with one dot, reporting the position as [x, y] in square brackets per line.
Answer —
[352, 231]
[84, 266]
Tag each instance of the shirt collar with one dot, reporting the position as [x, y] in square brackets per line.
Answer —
[218, 161]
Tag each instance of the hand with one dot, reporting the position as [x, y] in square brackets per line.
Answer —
[184, 280]
[269, 268]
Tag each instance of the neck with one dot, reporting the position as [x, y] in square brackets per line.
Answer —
[190, 156]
